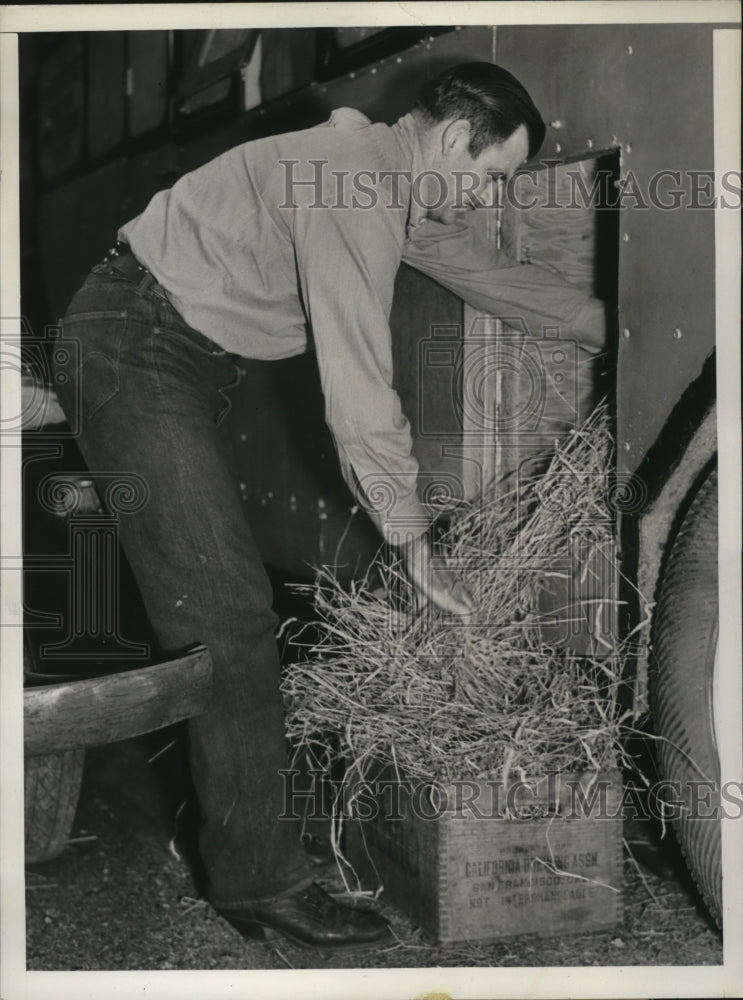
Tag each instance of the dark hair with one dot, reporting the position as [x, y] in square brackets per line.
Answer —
[489, 98]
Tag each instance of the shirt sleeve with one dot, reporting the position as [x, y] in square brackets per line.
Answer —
[347, 260]
[458, 256]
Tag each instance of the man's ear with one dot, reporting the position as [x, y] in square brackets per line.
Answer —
[455, 138]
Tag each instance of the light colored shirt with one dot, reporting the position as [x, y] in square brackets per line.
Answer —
[255, 259]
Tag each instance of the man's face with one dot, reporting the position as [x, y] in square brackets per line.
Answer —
[465, 183]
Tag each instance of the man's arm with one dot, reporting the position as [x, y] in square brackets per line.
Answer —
[346, 262]
[460, 258]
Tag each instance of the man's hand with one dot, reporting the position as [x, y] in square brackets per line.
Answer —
[433, 579]
[593, 326]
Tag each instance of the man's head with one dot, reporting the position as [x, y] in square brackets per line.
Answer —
[476, 121]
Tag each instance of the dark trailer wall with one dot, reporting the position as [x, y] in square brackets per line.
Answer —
[94, 161]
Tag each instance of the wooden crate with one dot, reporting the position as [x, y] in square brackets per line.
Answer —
[468, 874]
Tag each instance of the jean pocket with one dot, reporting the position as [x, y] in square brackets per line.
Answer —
[98, 337]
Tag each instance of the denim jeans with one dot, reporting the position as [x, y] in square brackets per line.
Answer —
[150, 394]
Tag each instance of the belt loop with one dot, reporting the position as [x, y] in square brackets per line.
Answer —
[148, 280]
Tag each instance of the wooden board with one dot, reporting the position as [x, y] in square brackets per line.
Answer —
[469, 874]
[101, 710]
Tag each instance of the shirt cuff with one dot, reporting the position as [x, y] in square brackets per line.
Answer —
[591, 325]
[399, 515]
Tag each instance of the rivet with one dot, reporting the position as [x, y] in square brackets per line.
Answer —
[555, 124]
[589, 143]
[625, 237]
[626, 333]
[677, 334]
[629, 50]
[626, 446]
[558, 147]
[352, 76]
[628, 147]
[373, 70]
[399, 59]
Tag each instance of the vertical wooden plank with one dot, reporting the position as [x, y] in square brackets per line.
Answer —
[482, 380]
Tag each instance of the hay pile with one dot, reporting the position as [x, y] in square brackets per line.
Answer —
[382, 682]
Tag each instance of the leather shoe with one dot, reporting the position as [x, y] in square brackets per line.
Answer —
[311, 917]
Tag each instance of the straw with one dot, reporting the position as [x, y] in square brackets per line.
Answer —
[376, 681]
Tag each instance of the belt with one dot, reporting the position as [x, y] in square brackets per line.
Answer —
[121, 258]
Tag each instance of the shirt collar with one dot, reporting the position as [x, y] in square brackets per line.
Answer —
[348, 118]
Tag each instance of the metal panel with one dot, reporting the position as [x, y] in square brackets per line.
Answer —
[388, 89]
[288, 61]
[106, 91]
[298, 506]
[148, 59]
[648, 91]
[73, 235]
[61, 108]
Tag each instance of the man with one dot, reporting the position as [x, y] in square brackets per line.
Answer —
[243, 257]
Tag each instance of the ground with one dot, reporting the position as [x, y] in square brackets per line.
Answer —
[118, 898]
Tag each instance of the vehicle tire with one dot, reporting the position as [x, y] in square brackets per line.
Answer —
[51, 791]
[50, 794]
[685, 634]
